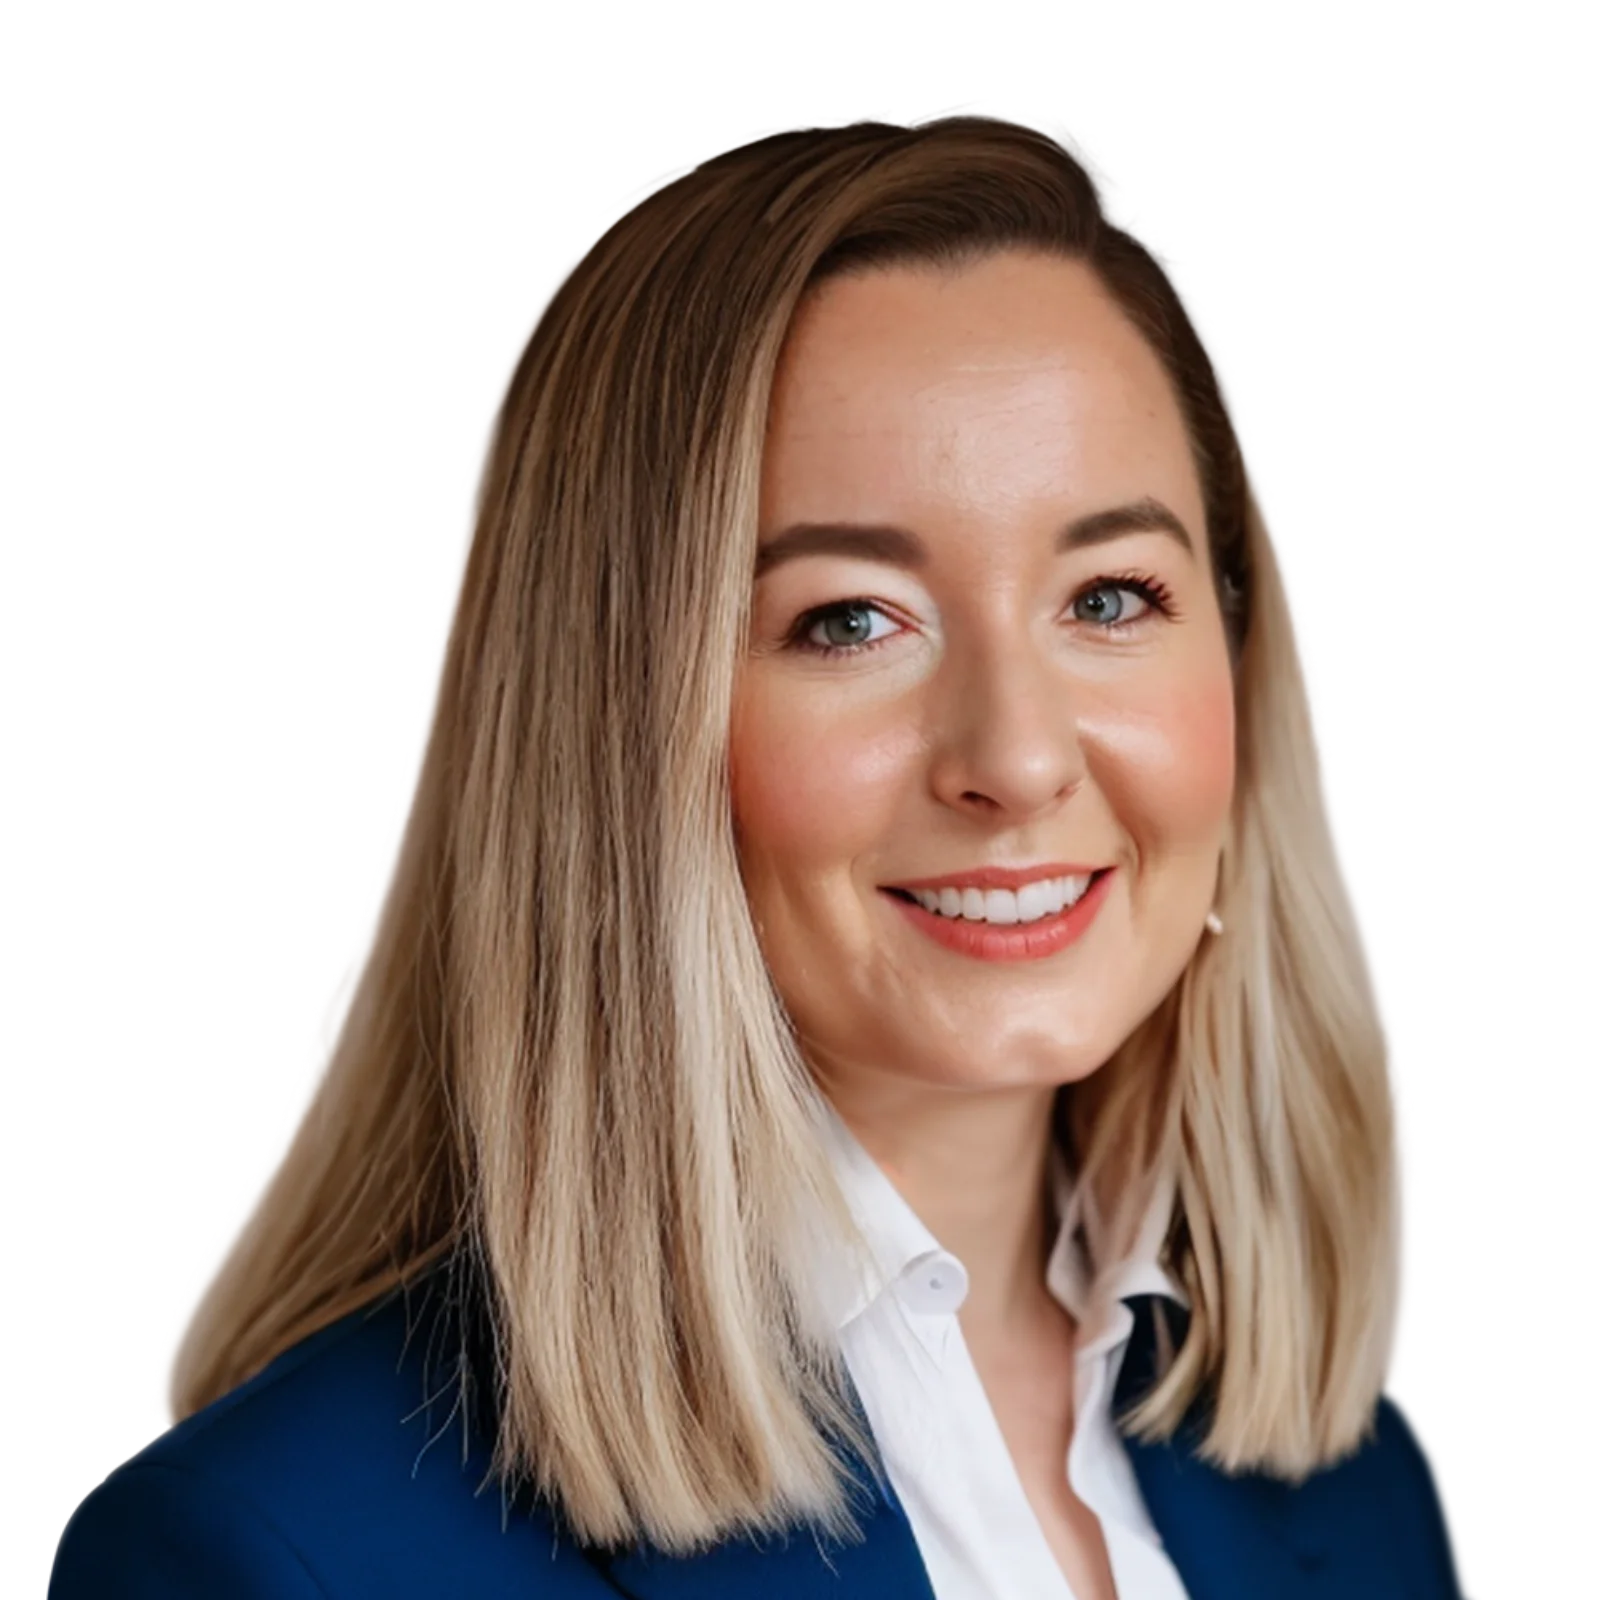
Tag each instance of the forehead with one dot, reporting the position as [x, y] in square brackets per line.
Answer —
[1008, 382]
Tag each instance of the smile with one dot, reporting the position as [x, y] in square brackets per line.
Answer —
[1004, 925]
[1027, 904]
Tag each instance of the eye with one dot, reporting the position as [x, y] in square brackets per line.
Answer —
[812, 621]
[1108, 616]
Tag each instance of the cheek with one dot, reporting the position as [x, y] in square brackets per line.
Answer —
[1205, 750]
[1169, 761]
[812, 786]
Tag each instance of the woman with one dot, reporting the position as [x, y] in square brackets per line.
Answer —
[866, 1082]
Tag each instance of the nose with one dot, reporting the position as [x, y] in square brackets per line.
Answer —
[1008, 738]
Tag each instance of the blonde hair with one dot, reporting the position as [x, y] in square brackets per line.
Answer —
[565, 1074]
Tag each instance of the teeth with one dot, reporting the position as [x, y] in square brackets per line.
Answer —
[1035, 900]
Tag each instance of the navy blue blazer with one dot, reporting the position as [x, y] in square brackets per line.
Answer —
[346, 1468]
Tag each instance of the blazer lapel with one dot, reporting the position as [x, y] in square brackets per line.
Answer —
[799, 1565]
[1229, 1535]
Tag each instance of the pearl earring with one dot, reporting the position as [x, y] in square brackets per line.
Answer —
[1213, 922]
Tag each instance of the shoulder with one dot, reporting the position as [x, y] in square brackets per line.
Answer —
[345, 1467]
[1412, 1495]
[1369, 1524]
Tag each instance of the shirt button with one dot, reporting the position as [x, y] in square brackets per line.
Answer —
[933, 1283]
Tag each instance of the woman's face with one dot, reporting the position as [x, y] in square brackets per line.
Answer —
[977, 489]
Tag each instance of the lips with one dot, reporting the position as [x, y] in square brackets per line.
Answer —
[1034, 940]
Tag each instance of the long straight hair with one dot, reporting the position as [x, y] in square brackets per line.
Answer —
[565, 1074]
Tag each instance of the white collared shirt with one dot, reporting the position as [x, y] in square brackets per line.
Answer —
[942, 1447]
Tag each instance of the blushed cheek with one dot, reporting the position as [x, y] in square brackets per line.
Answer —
[775, 809]
[1205, 765]
[1167, 764]
[764, 806]
[807, 789]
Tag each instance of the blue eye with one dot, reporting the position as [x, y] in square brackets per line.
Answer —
[849, 621]
[824, 613]
[1116, 618]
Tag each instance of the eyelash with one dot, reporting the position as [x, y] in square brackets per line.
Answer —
[1156, 594]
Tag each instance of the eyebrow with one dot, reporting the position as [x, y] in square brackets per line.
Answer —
[899, 547]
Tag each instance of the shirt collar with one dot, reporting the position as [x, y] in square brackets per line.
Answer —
[905, 1258]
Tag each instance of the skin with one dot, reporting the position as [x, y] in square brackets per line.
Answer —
[998, 722]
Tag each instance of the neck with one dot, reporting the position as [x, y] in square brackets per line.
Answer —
[974, 1166]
